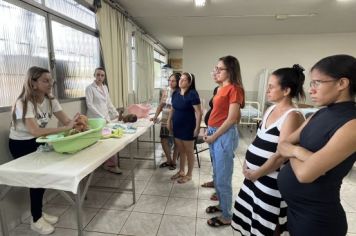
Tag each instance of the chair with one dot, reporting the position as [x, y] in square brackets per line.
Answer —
[197, 141]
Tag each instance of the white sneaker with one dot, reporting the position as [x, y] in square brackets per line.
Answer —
[113, 169]
[49, 218]
[41, 226]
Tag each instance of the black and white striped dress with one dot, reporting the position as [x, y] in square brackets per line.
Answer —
[259, 207]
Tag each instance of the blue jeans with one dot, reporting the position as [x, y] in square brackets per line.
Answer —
[222, 153]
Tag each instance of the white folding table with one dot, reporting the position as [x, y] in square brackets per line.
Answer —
[65, 172]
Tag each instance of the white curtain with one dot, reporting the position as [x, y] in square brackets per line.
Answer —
[144, 69]
[113, 42]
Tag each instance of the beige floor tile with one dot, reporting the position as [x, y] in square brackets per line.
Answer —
[127, 184]
[69, 218]
[120, 201]
[108, 221]
[142, 224]
[23, 230]
[97, 234]
[181, 207]
[96, 199]
[187, 190]
[151, 204]
[177, 226]
[158, 188]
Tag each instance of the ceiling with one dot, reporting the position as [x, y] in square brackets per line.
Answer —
[170, 20]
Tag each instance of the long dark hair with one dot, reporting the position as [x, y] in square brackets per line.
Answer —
[191, 79]
[28, 92]
[233, 68]
[292, 78]
[337, 67]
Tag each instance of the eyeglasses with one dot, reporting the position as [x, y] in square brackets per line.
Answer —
[317, 83]
[219, 69]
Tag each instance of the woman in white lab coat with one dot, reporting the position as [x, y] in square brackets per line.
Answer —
[100, 106]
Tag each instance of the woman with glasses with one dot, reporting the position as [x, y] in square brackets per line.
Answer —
[321, 152]
[186, 116]
[222, 135]
[259, 208]
[166, 136]
[31, 113]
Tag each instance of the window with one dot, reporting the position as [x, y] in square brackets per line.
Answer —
[77, 55]
[160, 61]
[23, 43]
[73, 10]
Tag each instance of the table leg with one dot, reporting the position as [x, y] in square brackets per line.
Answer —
[132, 160]
[4, 229]
[154, 145]
[78, 206]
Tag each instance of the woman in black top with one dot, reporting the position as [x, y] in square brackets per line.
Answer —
[321, 152]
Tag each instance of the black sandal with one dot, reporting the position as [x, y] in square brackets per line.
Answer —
[212, 209]
[164, 164]
[216, 222]
[172, 166]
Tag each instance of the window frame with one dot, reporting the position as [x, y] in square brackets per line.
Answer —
[50, 15]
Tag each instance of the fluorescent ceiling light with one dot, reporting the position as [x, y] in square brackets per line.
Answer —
[199, 3]
[344, 0]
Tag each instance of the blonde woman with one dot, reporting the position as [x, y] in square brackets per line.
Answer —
[32, 111]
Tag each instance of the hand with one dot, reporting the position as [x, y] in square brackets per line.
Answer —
[154, 119]
[209, 139]
[286, 149]
[73, 121]
[251, 175]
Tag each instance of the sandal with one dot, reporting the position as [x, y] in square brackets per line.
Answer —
[216, 222]
[214, 197]
[172, 167]
[177, 175]
[209, 184]
[164, 164]
[212, 209]
[184, 179]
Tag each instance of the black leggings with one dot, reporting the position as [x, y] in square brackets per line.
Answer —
[19, 148]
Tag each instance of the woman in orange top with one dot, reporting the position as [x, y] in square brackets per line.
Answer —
[222, 135]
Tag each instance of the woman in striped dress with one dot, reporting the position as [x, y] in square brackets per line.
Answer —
[259, 208]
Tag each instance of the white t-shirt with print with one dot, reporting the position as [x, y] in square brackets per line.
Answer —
[42, 117]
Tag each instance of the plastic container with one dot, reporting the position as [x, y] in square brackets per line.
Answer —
[76, 142]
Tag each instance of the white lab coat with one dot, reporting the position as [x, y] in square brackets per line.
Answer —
[99, 103]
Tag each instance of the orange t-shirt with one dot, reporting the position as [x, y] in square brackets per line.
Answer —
[225, 96]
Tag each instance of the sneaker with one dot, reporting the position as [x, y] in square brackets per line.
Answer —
[41, 226]
[113, 169]
[49, 218]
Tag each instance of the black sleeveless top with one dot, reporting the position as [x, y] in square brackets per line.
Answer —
[315, 208]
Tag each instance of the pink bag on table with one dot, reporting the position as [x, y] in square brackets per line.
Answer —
[140, 110]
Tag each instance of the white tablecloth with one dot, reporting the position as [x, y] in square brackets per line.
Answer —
[63, 171]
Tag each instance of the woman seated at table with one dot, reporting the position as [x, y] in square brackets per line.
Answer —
[32, 111]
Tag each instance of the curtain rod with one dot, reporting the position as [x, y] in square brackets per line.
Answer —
[119, 8]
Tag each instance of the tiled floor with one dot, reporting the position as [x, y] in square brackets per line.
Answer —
[163, 207]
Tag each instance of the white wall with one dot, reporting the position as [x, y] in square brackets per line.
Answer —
[200, 54]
